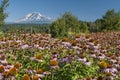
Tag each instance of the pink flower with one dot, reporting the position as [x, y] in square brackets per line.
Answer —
[82, 59]
[32, 58]
[88, 63]
[24, 46]
[1, 76]
[92, 55]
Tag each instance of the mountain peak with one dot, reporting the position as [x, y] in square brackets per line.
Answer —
[34, 17]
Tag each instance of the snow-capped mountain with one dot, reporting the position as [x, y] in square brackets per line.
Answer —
[34, 17]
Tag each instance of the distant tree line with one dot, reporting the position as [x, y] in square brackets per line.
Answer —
[27, 28]
[68, 23]
[109, 22]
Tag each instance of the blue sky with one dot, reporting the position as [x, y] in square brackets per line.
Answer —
[88, 10]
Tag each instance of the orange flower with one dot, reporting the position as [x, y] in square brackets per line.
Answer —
[26, 77]
[77, 36]
[2, 69]
[13, 71]
[65, 40]
[17, 65]
[103, 64]
[73, 42]
[88, 78]
[39, 71]
[35, 77]
[53, 62]
[5, 74]
[109, 65]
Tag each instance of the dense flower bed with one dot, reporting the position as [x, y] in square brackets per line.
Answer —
[39, 57]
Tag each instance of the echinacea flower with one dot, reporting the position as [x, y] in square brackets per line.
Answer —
[65, 59]
[53, 62]
[88, 78]
[101, 56]
[46, 73]
[38, 56]
[100, 78]
[2, 69]
[1, 76]
[13, 71]
[39, 71]
[25, 46]
[88, 63]
[32, 58]
[109, 76]
[82, 59]
[103, 64]
[35, 77]
[26, 77]
[17, 65]
[40, 75]
[6, 74]
[92, 55]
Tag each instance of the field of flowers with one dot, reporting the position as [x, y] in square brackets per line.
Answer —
[28, 56]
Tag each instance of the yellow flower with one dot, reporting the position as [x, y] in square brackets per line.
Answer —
[39, 71]
[35, 77]
[103, 64]
[2, 69]
[26, 77]
[53, 62]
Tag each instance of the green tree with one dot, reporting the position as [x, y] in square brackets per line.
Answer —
[72, 22]
[3, 15]
[65, 24]
[110, 21]
[84, 27]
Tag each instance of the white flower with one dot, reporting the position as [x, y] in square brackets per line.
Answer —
[41, 75]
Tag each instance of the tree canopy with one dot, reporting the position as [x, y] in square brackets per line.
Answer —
[66, 24]
[109, 22]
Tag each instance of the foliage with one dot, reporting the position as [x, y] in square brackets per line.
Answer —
[66, 24]
[3, 15]
[28, 28]
[109, 22]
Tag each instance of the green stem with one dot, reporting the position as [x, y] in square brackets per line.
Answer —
[52, 75]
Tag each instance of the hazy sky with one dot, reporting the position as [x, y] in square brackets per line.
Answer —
[88, 10]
